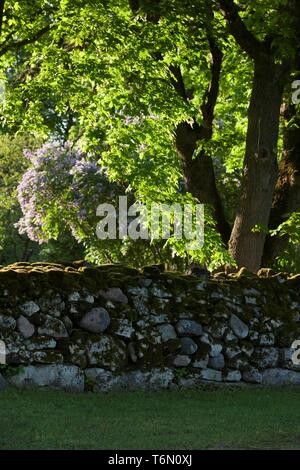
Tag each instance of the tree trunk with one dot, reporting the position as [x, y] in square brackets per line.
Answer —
[287, 191]
[199, 173]
[260, 164]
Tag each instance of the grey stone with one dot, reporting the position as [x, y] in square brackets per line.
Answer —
[53, 327]
[201, 363]
[161, 293]
[280, 377]
[267, 339]
[217, 330]
[232, 351]
[265, 357]
[7, 323]
[74, 297]
[138, 291]
[250, 300]
[240, 362]
[25, 327]
[29, 308]
[217, 362]
[132, 352]
[189, 382]
[188, 346]
[115, 294]
[141, 306]
[205, 339]
[167, 332]
[101, 380]
[239, 328]
[253, 335]
[181, 360]
[188, 328]
[232, 376]
[211, 375]
[147, 282]
[40, 342]
[215, 349]
[248, 349]
[57, 376]
[158, 318]
[252, 375]
[137, 380]
[105, 351]
[68, 324]
[125, 329]
[47, 357]
[160, 378]
[89, 299]
[96, 320]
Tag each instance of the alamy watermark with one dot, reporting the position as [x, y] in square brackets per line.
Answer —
[2, 352]
[296, 354]
[296, 92]
[160, 221]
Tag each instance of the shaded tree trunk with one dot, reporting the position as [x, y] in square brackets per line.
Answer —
[199, 173]
[260, 164]
[287, 191]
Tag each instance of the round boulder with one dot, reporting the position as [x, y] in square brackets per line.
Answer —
[96, 320]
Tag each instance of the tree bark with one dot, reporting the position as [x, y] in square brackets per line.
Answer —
[260, 164]
[199, 173]
[287, 191]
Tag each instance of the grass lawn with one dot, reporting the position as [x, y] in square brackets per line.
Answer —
[247, 418]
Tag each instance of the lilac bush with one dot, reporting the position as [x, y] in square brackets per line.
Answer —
[61, 190]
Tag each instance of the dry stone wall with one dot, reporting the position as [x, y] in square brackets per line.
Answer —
[77, 328]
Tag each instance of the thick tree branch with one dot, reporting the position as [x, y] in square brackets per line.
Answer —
[247, 41]
[177, 81]
[24, 42]
[211, 95]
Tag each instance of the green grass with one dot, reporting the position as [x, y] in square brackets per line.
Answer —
[248, 418]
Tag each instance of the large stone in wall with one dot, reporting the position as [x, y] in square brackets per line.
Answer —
[57, 376]
[29, 308]
[25, 327]
[7, 323]
[278, 376]
[96, 320]
[106, 351]
[188, 328]
[239, 328]
[252, 375]
[188, 346]
[167, 332]
[265, 357]
[115, 294]
[53, 327]
[101, 380]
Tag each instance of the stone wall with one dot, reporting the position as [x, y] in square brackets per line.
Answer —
[112, 327]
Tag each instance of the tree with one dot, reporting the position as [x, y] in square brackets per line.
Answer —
[145, 85]
[271, 70]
